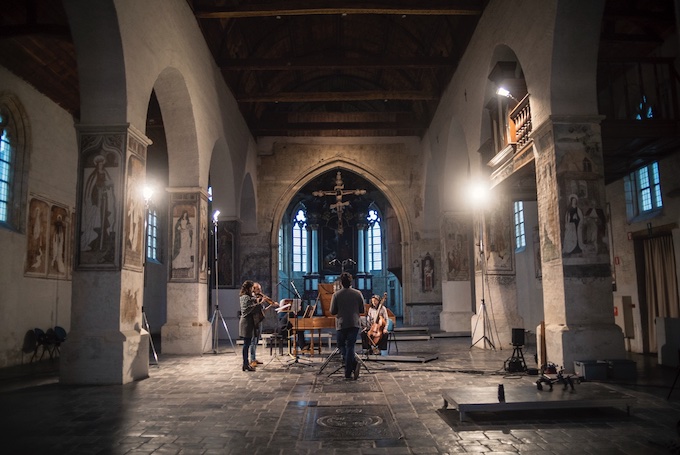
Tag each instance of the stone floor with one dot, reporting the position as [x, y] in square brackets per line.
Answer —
[206, 404]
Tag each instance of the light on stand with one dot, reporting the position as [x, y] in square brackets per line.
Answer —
[479, 196]
[217, 314]
[502, 91]
[147, 193]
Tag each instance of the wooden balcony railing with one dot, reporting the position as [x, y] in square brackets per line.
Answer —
[521, 125]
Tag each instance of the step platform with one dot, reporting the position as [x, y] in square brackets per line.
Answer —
[523, 397]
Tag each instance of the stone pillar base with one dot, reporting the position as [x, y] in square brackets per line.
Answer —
[126, 360]
[582, 342]
[186, 337]
[455, 322]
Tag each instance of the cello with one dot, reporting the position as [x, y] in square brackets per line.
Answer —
[376, 330]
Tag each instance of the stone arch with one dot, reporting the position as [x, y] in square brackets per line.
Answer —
[101, 64]
[223, 182]
[180, 128]
[248, 206]
[341, 163]
[573, 75]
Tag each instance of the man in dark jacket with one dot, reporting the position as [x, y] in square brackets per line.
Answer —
[347, 305]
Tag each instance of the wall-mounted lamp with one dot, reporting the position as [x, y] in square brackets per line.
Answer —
[502, 91]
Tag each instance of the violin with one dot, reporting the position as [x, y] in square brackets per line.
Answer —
[378, 326]
[264, 299]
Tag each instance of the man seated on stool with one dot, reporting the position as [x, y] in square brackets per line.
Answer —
[347, 304]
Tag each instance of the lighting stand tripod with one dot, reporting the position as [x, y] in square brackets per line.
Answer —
[335, 352]
[148, 191]
[145, 325]
[486, 324]
[217, 314]
[296, 361]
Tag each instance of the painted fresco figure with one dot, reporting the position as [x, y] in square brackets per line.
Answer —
[182, 252]
[573, 228]
[58, 238]
[99, 211]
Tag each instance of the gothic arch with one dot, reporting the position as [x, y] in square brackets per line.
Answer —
[340, 163]
[180, 128]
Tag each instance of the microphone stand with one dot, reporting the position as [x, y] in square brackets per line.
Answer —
[296, 330]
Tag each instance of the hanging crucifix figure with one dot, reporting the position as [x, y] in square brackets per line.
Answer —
[339, 191]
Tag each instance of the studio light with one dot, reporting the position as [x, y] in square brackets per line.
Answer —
[502, 91]
[147, 192]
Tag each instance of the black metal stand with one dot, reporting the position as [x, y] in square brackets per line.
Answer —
[145, 326]
[335, 352]
[486, 325]
[145, 321]
[296, 359]
[217, 314]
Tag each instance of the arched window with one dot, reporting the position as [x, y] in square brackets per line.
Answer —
[6, 168]
[374, 241]
[300, 240]
[13, 155]
[152, 234]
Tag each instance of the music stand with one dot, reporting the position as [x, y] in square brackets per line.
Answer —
[217, 314]
[296, 359]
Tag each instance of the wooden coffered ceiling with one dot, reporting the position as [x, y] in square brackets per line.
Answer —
[337, 68]
[325, 67]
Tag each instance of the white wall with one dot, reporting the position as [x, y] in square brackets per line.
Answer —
[36, 302]
[623, 248]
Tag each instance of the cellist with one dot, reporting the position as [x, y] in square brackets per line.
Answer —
[374, 336]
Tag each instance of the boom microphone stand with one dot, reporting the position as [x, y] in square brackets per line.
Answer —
[217, 313]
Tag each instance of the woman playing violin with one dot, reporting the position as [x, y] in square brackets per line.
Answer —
[374, 337]
[265, 303]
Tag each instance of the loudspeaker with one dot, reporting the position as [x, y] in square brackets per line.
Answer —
[518, 337]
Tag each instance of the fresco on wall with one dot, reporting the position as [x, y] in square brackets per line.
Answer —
[428, 276]
[183, 251]
[584, 223]
[134, 214]
[203, 243]
[60, 243]
[100, 201]
[497, 241]
[226, 252]
[48, 243]
[37, 255]
[457, 262]
[538, 265]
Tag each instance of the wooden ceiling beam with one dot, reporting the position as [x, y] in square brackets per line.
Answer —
[330, 63]
[269, 127]
[11, 31]
[307, 97]
[339, 7]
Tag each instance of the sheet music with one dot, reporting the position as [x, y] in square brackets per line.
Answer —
[292, 305]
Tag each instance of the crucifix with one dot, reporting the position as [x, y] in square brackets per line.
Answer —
[339, 191]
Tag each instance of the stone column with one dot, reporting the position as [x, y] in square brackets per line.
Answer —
[314, 248]
[577, 280]
[187, 327]
[456, 265]
[361, 247]
[107, 344]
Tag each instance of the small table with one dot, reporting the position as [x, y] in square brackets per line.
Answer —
[524, 397]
